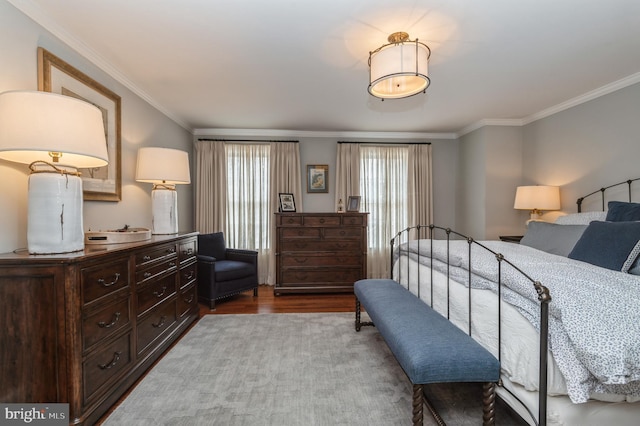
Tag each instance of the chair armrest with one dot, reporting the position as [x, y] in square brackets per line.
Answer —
[203, 258]
[249, 256]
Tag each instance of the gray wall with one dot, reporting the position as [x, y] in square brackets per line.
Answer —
[142, 125]
[584, 148]
[490, 161]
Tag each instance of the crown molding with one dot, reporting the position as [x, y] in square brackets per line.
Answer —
[601, 91]
[36, 13]
[273, 133]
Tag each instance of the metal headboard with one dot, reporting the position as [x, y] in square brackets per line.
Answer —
[602, 190]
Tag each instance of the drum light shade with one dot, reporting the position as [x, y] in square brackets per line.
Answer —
[536, 198]
[399, 69]
[55, 134]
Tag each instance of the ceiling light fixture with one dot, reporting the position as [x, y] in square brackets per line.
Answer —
[399, 69]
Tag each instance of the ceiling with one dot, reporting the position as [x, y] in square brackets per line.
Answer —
[301, 65]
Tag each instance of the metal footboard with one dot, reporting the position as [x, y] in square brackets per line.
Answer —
[429, 233]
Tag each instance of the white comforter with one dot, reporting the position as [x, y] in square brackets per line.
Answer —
[594, 313]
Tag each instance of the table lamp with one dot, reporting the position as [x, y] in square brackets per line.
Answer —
[536, 198]
[164, 168]
[55, 135]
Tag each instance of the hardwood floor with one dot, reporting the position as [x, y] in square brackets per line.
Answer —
[267, 303]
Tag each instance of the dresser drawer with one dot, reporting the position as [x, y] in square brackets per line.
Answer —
[158, 322]
[308, 233]
[150, 273]
[350, 220]
[105, 322]
[324, 245]
[106, 365]
[155, 254]
[188, 274]
[104, 278]
[187, 300]
[155, 293]
[322, 221]
[345, 232]
[286, 220]
[291, 276]
[322, 259]
[187, 250]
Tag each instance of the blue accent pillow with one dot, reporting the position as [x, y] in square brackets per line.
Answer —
[611, 245]
[620, 211]
[212, 245]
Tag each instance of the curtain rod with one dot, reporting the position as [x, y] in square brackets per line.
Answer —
[243, 140]
[388, 143]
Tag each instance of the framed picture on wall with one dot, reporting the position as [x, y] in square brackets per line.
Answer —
[57, 76]
[353, 204]
[317, 178]
[287, 203]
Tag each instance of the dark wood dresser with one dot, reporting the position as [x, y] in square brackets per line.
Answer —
[320, 252]
[82, 328]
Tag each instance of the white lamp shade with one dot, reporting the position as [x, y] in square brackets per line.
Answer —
[399, 70]
[34, 124]
[163, 165]
[537, 197]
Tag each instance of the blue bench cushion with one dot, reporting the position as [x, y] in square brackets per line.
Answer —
[429, 348]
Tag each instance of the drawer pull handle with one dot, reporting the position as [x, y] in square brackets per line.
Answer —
[189, 300]
[301, 260]
[188, 252]
[342, 233]
[290, 220]
[103, 283]
[171, 250]
[114, 361]
[161, 323]
[147, 274]
[116, 318]
[172, 264]
[189, 275]
[146, 258]
[342, 246]
[321, 220]
[161, 293]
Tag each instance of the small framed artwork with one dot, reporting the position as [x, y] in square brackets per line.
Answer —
[317, 178]
[57, 76]
[353, 203]
[287, 203]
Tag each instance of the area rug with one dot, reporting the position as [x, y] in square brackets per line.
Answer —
[277, 369]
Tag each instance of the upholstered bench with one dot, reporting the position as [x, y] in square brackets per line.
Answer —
[428, 347]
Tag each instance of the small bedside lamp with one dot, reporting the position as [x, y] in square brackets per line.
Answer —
[55, 135]
[536, 198]
[164, 168]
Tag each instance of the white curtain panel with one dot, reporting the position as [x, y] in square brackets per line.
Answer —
[286, 177]
[347, 172]
[420, 187]
[210, 186]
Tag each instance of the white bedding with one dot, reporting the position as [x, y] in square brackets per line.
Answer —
[609, 381]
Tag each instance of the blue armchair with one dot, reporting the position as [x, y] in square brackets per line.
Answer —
[223, 272]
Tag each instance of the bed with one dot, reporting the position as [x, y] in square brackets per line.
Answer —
[582, 270]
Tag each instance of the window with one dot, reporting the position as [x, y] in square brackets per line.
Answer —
[383, 185]
[248, 208]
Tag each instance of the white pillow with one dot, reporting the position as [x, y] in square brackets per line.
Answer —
[584, 218]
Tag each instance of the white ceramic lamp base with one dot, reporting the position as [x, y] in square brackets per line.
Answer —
[164, 207]
[55, 214]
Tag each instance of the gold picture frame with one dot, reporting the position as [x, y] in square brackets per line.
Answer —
[317, 178]
[57, 76]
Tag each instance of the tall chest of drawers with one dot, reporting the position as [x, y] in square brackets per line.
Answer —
[320, 252]
[82, 328]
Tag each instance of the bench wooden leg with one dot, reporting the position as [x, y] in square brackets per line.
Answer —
[359, 323]
[417, 405]
[489, 404]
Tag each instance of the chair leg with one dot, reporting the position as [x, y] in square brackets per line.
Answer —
[255, 292]
[212, 304]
